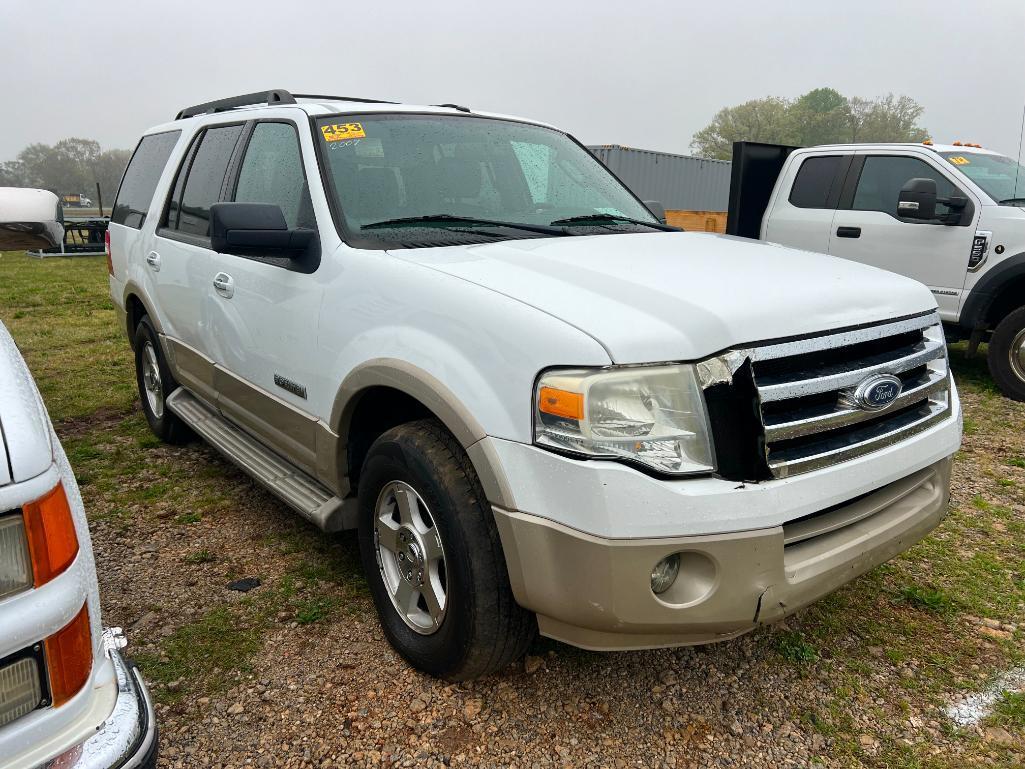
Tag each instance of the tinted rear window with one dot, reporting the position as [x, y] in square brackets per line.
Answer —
[141, 177]
[206, 177]
[814, 181]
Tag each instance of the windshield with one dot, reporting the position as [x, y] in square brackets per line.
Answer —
[466, 179]
[1000, 177]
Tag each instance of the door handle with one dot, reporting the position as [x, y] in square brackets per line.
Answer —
[848, 232]
[153, 260]
[224, 284]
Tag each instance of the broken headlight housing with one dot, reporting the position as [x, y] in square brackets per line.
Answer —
[652, 416]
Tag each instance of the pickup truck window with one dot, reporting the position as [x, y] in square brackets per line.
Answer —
[383, 168]
[141, 177]
[814, 181]
[1002, 179]
[272, 172]
[883, 176]
[205, 177]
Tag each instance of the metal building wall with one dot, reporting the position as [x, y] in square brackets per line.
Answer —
[678, 182]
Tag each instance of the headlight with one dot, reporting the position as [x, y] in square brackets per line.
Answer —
[652, 415]
[15, 566]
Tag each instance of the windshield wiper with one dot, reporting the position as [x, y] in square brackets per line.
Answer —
[1011, 202]
[449, 219]
[599, 218]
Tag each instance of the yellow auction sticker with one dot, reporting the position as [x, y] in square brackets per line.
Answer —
[337, 132]
[959, 160]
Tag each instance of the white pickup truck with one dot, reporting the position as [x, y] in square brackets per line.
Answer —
[542, 409]
[951, 216]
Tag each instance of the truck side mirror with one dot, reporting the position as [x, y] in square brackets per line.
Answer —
[255, 229]
[657, 209]
[917, 199]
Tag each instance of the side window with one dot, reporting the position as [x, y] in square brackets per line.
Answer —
[882, 177]
[140, 180]
[190, 213]
[272, 172]
[814, 182]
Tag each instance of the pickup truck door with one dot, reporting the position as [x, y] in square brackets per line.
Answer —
[866, 227]
[267, 308]
[801, 211]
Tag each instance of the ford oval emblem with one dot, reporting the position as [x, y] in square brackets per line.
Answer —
[877, 392]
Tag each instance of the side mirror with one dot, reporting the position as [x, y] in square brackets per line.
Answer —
[29, 219]
[255, 229]
[917, 199]
[657, 209]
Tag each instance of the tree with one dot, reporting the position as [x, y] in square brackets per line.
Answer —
[759, 120]
[821, 116]
[71, 165]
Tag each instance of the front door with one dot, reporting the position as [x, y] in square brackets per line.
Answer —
[266, 308]
[866, 228]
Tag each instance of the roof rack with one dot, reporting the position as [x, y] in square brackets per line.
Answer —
[274, 96]
[342, 98]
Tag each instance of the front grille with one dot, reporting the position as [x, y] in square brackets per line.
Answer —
[805, 389]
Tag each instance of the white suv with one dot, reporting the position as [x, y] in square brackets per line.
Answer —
[462, 335]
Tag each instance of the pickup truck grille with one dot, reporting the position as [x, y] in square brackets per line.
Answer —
[806, 390]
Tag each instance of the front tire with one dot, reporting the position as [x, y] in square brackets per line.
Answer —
[433, 558]
[155, 384]
[1007, 355]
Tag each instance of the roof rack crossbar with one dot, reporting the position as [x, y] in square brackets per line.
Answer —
[273, 96]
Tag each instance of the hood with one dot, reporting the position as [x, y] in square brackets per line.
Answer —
[25, 448]
[670, 296]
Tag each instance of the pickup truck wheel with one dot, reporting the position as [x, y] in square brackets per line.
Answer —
[433, 558]
[155, 384]
[1007, 355]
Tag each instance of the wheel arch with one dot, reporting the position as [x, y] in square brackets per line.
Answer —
[994, 296]
[137, 304]
[385, 392]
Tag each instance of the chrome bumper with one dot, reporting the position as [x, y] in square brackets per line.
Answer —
[127, 739]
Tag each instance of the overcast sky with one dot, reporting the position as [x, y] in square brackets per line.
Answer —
[643, 74]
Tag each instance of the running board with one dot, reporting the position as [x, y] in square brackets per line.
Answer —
[307, 496]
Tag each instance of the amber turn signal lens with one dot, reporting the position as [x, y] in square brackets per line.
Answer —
[69, 658]
[52, 541]
[561, 403]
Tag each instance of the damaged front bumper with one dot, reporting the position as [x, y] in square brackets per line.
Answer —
[595, 593]
[127, 738]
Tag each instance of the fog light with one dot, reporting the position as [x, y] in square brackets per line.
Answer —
[15, 566]
[664, 574]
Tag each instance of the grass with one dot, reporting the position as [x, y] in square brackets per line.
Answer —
[928, 598]
[203, 654]
[794, 648]
[911, 615]
[59, 312]
[1010, 711]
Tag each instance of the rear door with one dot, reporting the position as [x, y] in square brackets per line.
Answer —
[802, 208]
[266, 309]
[181, 261]
[867, 229]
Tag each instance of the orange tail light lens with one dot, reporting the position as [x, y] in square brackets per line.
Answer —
[69, 658]
[52, 541]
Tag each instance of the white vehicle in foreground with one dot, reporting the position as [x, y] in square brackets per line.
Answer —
[460, 334]
[951, 216]
[68, 699]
